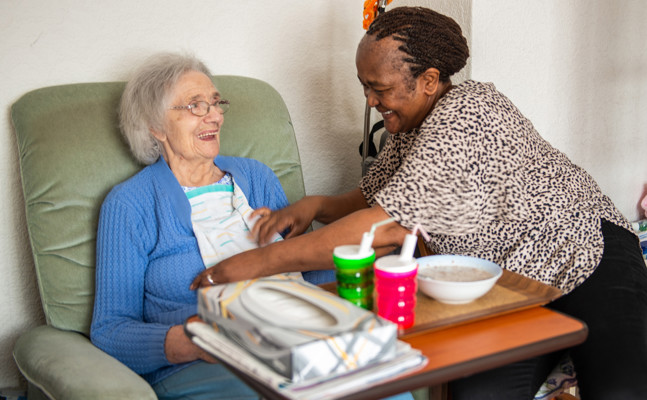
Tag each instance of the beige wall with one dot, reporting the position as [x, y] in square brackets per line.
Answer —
[578, 70]
[543, 54]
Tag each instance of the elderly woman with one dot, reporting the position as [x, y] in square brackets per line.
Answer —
[160, 228]
[466, 165]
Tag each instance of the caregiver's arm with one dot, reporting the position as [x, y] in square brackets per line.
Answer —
[333, 208]
[311, 251]
[297, 217]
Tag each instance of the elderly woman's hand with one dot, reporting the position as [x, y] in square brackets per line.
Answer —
[643, 204]
[180, 349]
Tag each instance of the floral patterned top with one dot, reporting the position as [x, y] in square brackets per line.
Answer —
[481, 181]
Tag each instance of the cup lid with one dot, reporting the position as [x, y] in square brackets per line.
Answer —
[394, 263]
[352, 252]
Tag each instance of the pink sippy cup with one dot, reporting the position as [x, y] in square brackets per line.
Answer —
[396, 285]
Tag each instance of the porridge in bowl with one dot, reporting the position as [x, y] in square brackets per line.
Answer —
[457, 273]
[454, 279]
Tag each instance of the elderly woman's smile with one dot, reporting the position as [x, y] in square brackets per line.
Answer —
[208, 136]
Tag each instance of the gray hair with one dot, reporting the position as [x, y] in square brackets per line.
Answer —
[146, 98]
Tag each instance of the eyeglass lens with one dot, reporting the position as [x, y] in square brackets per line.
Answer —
[201, 108]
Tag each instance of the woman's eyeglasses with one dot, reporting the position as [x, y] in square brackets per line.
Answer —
[202, 108]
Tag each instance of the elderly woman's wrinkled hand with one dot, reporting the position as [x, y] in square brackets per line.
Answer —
[180, 349]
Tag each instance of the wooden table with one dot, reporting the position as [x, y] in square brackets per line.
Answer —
[474, 347]
[507, 325]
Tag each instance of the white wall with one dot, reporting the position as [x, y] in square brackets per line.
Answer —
[305, 49]
[578, 70]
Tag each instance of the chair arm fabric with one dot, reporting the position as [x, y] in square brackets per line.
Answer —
[66, 365]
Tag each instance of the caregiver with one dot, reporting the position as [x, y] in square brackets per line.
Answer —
[465, 164]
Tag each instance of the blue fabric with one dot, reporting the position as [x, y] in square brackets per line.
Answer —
[319, 277]
[401, 396]
[202, 381]
[147, 256]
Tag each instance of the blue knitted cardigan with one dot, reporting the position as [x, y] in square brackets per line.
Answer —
[147, 256]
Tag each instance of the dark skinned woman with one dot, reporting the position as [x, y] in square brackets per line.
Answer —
[466, 165]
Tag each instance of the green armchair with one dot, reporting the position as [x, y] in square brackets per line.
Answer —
[71, 154]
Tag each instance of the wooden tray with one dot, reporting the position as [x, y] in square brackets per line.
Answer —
[512, 292]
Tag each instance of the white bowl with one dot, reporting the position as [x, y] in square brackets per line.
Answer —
[456, 291]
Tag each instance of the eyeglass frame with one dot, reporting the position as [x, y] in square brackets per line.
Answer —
[217, 104]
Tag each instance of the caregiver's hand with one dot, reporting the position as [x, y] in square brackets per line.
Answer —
[295, 218]
[229, 270]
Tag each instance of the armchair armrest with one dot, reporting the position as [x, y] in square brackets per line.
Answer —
[66, 365]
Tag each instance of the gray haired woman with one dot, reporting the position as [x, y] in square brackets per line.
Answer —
[151, 245]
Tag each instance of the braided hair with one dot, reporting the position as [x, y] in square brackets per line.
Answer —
[429, 39]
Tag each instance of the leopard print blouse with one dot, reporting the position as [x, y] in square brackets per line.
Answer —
[481, 181]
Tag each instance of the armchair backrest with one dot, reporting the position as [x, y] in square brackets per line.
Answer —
[71, 154]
